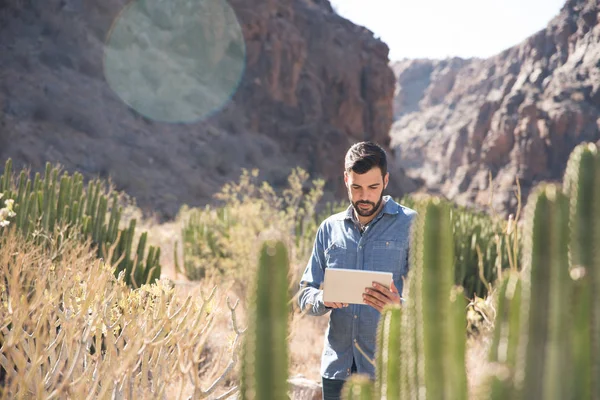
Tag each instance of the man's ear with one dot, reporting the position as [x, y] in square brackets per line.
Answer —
[386, 180]
[346, 178]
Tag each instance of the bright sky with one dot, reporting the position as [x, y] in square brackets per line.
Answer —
[446, 28]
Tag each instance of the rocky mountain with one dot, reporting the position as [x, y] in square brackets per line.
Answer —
[515, 115]
[312, 84]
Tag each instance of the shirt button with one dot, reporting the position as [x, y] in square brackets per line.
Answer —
[348, 370]
[354, 340]
[356, 316]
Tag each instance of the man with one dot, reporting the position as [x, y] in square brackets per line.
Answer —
[372, 234]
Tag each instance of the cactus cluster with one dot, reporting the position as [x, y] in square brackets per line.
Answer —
[483, 246]
[546, 340]
[59, 207]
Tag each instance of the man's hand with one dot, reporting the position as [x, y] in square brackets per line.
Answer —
[335, 305]
[379, 295]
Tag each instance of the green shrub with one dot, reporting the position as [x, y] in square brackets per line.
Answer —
[224, 240]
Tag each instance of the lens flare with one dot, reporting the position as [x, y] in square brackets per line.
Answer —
[175, 60]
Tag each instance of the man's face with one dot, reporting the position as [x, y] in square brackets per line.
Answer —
[365, 191]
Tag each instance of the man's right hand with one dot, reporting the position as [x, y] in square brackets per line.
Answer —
[335, 305]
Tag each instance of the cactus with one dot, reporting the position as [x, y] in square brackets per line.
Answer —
[543, 364]
[388, 360]
[49, 206]
[202, 236]
[503, 349]
[265, 358]
[472, 230]
[582, 185]
[358, 387]
[437, 370]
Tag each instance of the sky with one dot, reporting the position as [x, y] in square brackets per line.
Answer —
[448, 28]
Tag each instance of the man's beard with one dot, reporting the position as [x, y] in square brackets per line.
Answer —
[367, 213]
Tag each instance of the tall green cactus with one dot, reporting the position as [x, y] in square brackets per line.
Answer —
[543, 365]
[388, 359]
[60, 208]
[503, 349]
[359, 387]
[265, 358]
[582, 185]
[435, 344]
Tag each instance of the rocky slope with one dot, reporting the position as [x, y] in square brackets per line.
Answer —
[517, 114]
[313, 84]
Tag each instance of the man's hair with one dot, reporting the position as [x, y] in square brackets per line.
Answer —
[364, 156]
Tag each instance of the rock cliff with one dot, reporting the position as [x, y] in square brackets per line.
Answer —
[313, 84]
[517, 114]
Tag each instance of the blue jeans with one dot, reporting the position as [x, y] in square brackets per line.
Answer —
[332, 388]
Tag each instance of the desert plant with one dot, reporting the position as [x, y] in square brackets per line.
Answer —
[49, 210]
[433, 363]
[582, 185]
[70, 329]
[503, 350]
[531, 346]
[225, 239]
[388, 357]
[484, 245]
[265, 356]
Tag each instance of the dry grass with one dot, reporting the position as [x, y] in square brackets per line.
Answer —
[70, 329]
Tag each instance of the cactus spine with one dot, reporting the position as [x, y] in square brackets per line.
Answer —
[358, 387]
[265, 358]
[49, 205]
[387, 360]
[437, 371]
[545, 325]
[582, 184]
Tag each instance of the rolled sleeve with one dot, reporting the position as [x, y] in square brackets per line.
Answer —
[310, 297]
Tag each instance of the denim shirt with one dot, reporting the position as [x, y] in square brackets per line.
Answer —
[383, 246]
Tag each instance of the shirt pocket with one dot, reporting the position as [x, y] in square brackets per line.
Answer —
[387, 255]
[336, 256]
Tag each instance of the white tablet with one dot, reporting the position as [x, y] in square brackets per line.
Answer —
[348, 285]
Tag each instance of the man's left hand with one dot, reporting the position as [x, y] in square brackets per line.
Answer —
[379, 295]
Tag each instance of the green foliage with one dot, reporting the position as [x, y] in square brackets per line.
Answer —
[225, 239]
[546, 338]
[358, 387]
[265, 358]
[50, 210]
